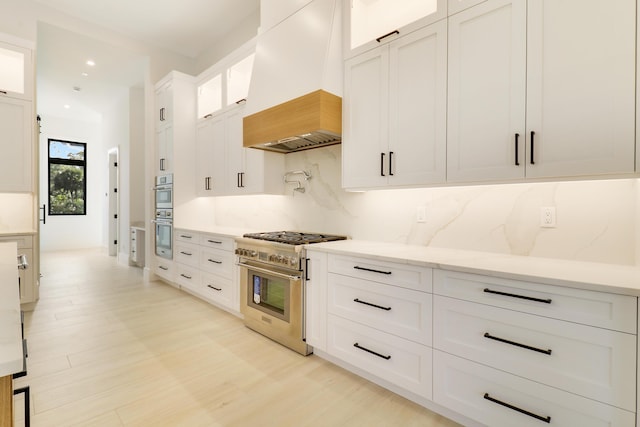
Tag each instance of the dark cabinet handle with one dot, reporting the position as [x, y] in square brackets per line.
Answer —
[382, 164]
[4, 92]
[214, 241]
[241, 101]
[186, 236]
[515, 408]
[306, 269]
[208, 116]
[517, 344]
[359, 301]
[214, 261]
[379, 39]
[161, 164]
[517, 156]
[532, 145]
[358, 346]
[44, 214]
[186, 253]
[390, 163]
[162, 267]
[507, 294]
[214, 288]
[357, 267]
[27, 408]
[185, 276]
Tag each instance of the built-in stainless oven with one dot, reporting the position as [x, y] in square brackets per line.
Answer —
[164, 233]
[164, 192]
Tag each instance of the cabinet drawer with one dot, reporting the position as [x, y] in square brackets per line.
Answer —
[23, 241]
[398, 311]
[403, 275]
[217, 262]
[164, 268]
[217, 242]
[393, 359]
[188, 277]
[217, 289]
[186, 236]
[617, 312]
[462, 385]
[592, 362]
[188, 254]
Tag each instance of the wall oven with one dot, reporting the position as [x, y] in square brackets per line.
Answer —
[164, 192]
[272, 292]
[164, 216]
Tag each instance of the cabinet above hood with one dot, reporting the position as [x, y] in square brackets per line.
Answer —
[294, 101]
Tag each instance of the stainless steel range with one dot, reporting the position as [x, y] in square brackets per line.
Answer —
[272, 295]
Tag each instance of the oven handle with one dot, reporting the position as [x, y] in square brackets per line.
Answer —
[267, 271]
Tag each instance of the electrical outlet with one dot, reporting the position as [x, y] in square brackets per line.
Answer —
[421, 214]
[548, 217]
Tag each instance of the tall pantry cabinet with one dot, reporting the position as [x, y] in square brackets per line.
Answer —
[541, 89]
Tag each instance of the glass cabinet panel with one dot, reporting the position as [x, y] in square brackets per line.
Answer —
[238, 78]
[210, 96]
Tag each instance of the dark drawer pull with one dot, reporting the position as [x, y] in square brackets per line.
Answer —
[185, 276]
[528, 347]
[185, 236]
[214, 261]
[357, 267]
[162, 267]
[214, 288]
[356, 345]
[186, 253]
[515, 408]
[371, 305]
[214, 241]
[506, 294]
[27, 409]
[379, 39]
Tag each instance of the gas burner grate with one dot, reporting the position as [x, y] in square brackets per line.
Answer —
[294, 237]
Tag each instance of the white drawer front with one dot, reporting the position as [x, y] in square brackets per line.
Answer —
[398, 311]
[164, 268]
[591, 362]
[462, 385]
[403, 275]
[217, 242]
[217, 289]
[188, 277]
[217, 262]
[186, 236]
[617, 312]
[186, 253]
[398, 361]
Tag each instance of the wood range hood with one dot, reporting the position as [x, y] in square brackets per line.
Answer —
[294, 101]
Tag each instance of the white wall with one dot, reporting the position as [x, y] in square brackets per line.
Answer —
[74, 232]
[596, 220]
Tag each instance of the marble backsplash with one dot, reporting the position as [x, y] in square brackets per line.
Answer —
[596, 220]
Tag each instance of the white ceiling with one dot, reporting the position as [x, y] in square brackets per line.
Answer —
[185, 27]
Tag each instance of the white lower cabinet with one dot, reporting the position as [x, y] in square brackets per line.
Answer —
[204, 266]
[499, 399]
[399, 361]
[164, 268]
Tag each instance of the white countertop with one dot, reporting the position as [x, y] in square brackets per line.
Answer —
[619, 279]
[10, 330]
[220, 231]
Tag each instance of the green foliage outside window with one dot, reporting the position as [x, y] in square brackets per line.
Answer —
[67, 178]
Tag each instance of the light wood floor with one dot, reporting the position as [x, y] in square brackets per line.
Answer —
[107, 349]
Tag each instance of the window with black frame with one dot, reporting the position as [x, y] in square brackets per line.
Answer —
[67, 177]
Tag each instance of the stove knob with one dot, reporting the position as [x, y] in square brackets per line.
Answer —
[253, 254]
[293, 261]
[237, 251]
[272, 258]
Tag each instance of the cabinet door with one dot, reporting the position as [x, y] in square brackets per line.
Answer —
[418, 105]
[204, 158]
[164, 150]
[16, 71]
[164, 99]
[237, 178]
[580, 87]
[218, 164]
[486, 99]
[365, 119]
[16, 162]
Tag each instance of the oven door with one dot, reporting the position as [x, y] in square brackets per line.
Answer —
[272, 302]
[164, 239]
[164, 196]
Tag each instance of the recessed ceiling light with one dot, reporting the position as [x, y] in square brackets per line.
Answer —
[67, 106]
[91, 63]
[84, 74]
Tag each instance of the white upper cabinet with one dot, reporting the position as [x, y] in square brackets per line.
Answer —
[16, 71]
[395, 112]
[455, 6]
[225, 84]
[543, 92]
[487, 87]
[16, 162]
[581, 60]
[369, 23]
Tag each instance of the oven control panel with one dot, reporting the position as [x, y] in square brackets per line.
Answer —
[269, 257]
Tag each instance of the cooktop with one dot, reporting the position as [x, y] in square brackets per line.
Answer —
[294, 237]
